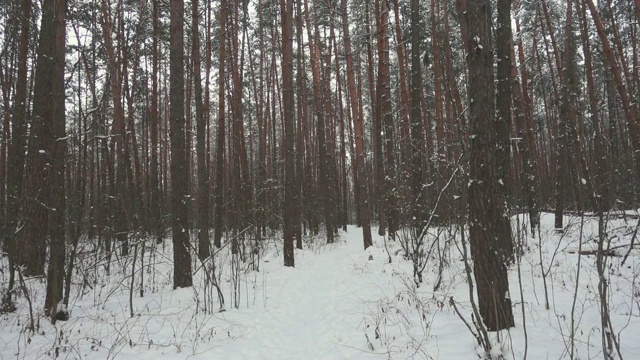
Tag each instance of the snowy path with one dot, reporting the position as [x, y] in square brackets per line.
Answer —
[312, 311]
[334, 303]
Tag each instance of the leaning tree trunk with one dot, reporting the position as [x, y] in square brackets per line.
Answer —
[631, 110]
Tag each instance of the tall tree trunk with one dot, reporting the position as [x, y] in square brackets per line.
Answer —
[179, 177]
[55, 272]
[386, 118]
[286, 9]
[132, 157]
[417, 133]
[333, 201]
[118, 193]
[219, 189]
[631, 112]
[490, 271]
[601, 191]
[525, 131]
[262, 111]
[503, 129]
[325, 179]
[31, 255]
[302, 110]
[240, 185]
[201, 148]
[154, 175]
[344, 196]
[17, 149]
[437, 91]
[405, 128]
[565, 121]
[363, 196]
[376, 140]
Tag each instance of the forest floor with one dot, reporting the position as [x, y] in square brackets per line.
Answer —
[339, 302]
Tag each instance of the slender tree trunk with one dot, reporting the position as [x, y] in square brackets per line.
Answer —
[301, 114]
[332, 209]
[241, 189]
[179, 177]
[631, 112]
[201, 148]
[566, 121]
[417, 134]
[262, 111]
[344, 196]
[154, 176]
[286, 9]
[118, 192]
[601, 191]
[378, 162]
[325, 178]
[503, 129]
[363, 196]
[437, 91]
[554, 43]
[386, 118]
[18, 145]
[219, 189]
[525, 131]
[404, 160]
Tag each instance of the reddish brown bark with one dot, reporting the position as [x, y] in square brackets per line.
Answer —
[358, 122]
[325, 174]
[632, 115]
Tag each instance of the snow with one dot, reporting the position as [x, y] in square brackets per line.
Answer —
[339, 302]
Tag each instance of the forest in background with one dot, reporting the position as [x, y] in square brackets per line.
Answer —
[229, 123]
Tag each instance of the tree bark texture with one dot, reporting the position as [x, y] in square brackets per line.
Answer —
[490, 271]
[179, 176]
[286, 9]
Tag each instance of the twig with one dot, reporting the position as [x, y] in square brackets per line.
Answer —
[633, 238]
[455, 308]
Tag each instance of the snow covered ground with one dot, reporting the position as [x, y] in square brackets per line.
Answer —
[339, 302]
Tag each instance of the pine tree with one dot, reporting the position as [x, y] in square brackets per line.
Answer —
[179, 176]
[490, 271]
